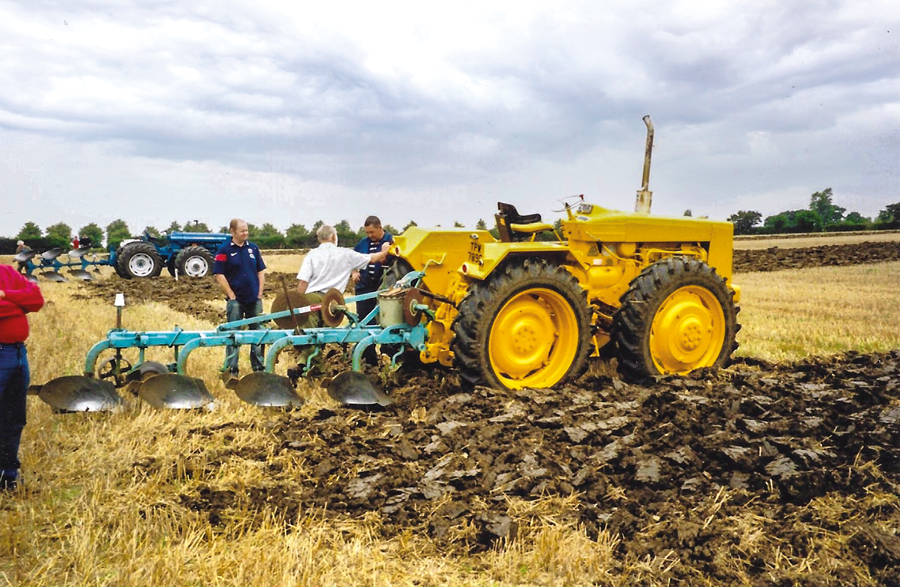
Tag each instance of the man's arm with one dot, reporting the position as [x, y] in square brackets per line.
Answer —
[262, 283]
[381, 256]
[301, 286]
[22, 293]
[223, 283]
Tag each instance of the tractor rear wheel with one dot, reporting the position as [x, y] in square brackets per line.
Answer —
[194, 262]
[678, 315]
[527, 325]
[140, 260]
[118, 266]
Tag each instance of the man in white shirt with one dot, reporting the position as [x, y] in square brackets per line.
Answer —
[329, 266]
[325, 267]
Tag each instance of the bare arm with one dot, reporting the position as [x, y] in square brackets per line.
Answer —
[262, 283]
[223, 283]
[381, 256]
[301, 286]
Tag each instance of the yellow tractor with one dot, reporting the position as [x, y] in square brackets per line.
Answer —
[518, 311]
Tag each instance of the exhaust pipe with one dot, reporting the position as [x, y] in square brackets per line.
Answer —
[644, 195]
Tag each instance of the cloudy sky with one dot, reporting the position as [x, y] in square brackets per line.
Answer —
[290, 112]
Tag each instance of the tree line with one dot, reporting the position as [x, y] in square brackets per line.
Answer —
[823, 215]
[267, 236]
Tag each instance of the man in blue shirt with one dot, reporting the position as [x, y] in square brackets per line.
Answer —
[368, 279]
[239, 271]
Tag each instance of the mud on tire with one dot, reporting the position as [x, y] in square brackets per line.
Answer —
[527, 325]
[678, 315]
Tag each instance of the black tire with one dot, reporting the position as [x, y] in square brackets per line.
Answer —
[139, 260]
[115, 265]
[677, 316]
[527, 325]
[194, 262]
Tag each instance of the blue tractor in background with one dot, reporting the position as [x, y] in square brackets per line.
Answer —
[188, 254]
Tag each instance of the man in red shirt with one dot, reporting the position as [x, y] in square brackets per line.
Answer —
[18, 296]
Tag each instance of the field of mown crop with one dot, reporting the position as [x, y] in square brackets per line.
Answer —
[782, 469]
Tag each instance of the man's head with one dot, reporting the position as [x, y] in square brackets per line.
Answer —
[326, 234]
[239, 231]
[20, 243]
[373, 228]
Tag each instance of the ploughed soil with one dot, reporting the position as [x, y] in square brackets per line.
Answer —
[776, 259]
[724, 476]
[720, 471]
[190, 296]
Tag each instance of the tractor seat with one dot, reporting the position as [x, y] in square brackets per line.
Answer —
[513, 226]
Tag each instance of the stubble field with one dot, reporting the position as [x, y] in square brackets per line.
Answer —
[782, 469]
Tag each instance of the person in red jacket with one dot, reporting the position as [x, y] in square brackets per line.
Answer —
[18, 296]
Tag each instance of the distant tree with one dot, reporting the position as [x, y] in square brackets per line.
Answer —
[408, 224]
[174, 227]
[821, 203]
[808, 221]
[744, 221]
[59, 235]
[92, 232]
[269, 237]
[890, 216]
[152, 231]
[116, 232]
[30, 231]
[458, 224]
[346, 235]
[794, 221]
[688, 213]
[856, 218]
[390, 229]
[297, 236]
[481, 224]
[195, 226]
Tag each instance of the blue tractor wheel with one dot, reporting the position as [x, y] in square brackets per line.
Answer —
[140, 260]
[194, 261]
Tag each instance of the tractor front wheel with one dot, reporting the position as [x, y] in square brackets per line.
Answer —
[526, 325]
[194, 262]
[140, 260]
[677, 316]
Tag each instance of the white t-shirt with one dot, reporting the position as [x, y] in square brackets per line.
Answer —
[329, 266]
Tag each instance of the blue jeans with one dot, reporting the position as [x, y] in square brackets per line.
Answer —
[234, 311]
[14, 380]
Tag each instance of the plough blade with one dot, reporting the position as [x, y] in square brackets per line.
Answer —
[53, 276]
[176, 392]
[353, 388]
[81, 274]
[77, 393]
[267, 390]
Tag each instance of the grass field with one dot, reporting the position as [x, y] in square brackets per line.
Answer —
[93, 512]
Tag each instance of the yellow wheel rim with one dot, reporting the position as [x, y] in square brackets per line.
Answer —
[533, 340]
[688, 331]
